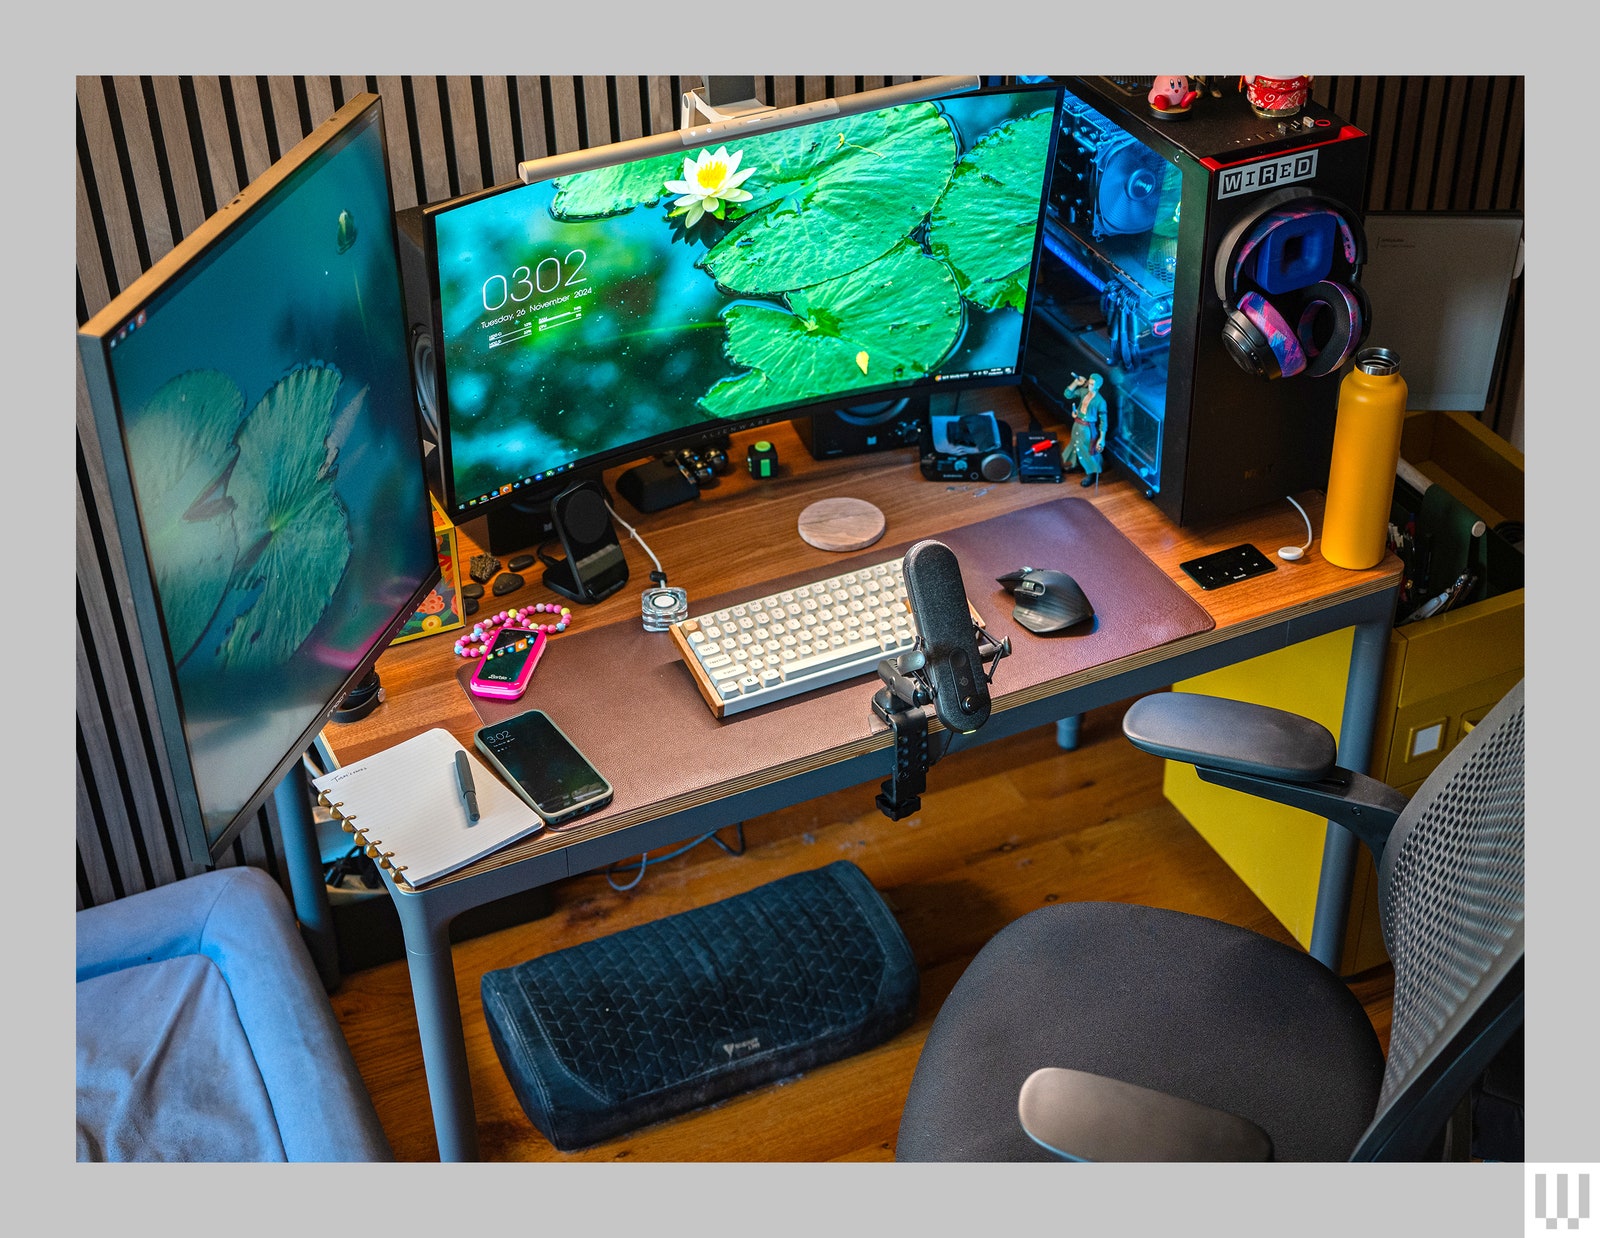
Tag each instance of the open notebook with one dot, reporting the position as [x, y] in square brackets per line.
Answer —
[404, 806]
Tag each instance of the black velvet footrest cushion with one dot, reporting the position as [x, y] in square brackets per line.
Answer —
[655, 1020]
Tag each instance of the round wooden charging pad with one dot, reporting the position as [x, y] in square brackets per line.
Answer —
[841, 524]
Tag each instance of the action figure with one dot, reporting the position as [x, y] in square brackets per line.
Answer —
[1088, 426]
[1171, 96]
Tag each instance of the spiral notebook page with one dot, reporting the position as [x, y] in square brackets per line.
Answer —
[404, 803]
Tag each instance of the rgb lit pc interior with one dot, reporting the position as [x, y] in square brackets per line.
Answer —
[252, 400]
[598, 317]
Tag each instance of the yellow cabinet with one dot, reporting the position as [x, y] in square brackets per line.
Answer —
[1441, 676]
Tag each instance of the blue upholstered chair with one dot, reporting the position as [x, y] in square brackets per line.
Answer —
[204, 1033]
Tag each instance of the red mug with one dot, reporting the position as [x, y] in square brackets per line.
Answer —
[1273, 97]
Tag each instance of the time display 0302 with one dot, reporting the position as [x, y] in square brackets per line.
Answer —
[547, 276]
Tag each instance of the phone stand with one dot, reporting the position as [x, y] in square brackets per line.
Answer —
[905, 703]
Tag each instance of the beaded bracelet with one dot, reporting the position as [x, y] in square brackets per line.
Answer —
[476, 643]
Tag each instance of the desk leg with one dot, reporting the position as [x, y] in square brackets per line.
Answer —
[1368, 653]
[444, 1047]
[292, 799]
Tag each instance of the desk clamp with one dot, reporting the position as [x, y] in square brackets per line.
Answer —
[906, 704]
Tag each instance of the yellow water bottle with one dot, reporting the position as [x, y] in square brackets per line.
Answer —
[1366, 449]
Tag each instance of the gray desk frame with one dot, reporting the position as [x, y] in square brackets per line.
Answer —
[426, 914]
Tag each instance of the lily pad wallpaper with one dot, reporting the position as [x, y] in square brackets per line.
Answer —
[272, 444]
[836, 260]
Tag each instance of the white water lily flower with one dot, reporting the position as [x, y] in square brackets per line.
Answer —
[710, 180]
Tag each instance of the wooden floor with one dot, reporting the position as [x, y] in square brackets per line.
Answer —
[1004, 828]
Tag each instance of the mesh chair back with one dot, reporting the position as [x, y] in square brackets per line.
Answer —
[1450, 888]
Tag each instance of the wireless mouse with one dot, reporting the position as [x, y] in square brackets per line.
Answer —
[1047, 601]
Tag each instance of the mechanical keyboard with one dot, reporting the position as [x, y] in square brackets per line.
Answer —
[799, 639]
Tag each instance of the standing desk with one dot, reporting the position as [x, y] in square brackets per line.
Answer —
[741, 535]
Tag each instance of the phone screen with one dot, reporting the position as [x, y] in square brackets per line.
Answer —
[533, 752]
[507, 659]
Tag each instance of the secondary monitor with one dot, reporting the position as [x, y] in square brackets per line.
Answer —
[252, 400]
[592, 318]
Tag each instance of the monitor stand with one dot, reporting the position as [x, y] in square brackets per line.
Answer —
[520, 525]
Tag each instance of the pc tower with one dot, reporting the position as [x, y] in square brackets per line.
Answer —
[1206, 264]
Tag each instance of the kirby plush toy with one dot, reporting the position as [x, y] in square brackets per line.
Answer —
[1171, 96]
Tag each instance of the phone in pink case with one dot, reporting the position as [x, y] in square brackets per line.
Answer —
[508, 664]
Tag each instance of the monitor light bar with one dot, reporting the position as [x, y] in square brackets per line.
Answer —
[551, 166]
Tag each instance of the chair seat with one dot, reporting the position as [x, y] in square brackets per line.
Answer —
[204, 1034]
[1191, 1006]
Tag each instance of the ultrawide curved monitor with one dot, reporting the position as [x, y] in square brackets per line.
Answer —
[601, 316]
[252, 399]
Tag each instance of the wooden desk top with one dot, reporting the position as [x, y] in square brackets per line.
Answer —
[742, 533]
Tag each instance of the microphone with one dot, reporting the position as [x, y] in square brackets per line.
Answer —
[948, 641]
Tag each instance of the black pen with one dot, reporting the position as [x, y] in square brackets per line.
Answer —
[469, 794]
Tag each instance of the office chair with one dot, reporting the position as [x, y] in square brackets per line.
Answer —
[1105, 1031]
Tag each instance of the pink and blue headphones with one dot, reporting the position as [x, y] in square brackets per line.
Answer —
[1304, 253]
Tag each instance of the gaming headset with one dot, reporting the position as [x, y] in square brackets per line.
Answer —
[1305, 253]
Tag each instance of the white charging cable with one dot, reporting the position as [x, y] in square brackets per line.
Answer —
[634, 533]
[1291, 553]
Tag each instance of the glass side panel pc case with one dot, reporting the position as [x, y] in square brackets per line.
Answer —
[252, 400]
[1159, 226]
[597, 317]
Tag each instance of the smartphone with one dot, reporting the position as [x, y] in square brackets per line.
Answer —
[508, 664]
[543, 766]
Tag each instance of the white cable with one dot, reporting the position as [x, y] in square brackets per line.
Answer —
[634, 533]
[1291, 553]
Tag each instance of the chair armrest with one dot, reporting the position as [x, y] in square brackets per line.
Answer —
[1269, 753]
[1085, 1117]
[1236, 736]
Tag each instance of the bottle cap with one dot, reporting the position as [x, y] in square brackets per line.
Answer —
[1377, 361]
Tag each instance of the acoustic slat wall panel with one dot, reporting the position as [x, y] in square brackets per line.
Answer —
[177, 164]
[597, 129]
[118, 230]
[435, 174]
[251, 119]
[289, 122]
[530, 107]
[144, 176]
[664, 103]
[463, 120]
[630, 118]
[402, 174]
[563, 114]
[319, 97]
[157, 155]
[92, 287]
[219, 159]
[503, 144]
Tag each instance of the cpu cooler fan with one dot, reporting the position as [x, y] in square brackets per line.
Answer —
[1128, 188]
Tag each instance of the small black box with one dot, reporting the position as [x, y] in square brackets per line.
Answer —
[857, 431]
[656, 484]
[1038, 457]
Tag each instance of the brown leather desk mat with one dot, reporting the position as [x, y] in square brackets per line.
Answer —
[627, 700]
